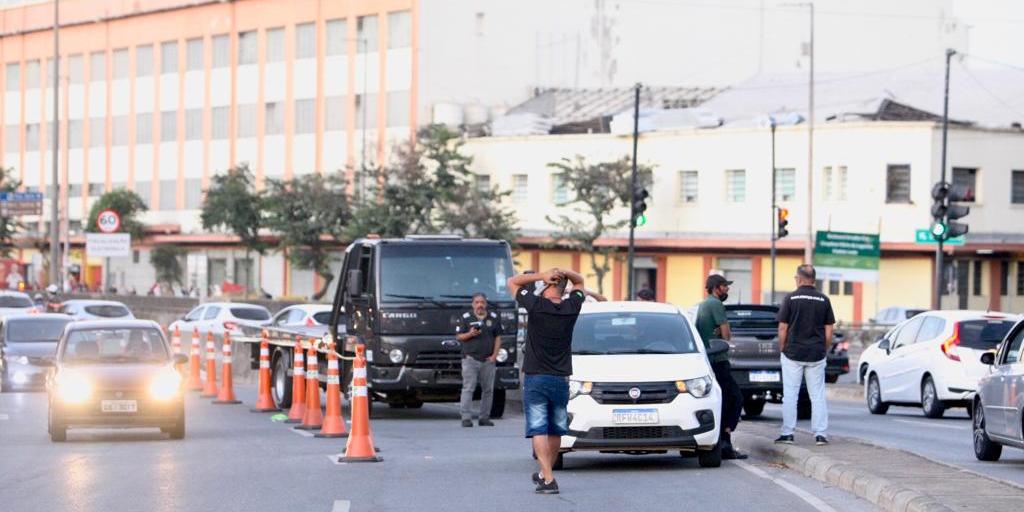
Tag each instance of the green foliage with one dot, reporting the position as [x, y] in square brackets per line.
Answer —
[233, 204]
[166, 260]
[127, 204]
[9, 226]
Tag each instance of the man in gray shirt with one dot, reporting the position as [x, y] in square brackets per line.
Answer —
[479, 332]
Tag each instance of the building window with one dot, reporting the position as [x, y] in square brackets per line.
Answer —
[193, 193]
[826, 183]
[897, 184]
[366, 33]
[1004, 278]
[520, 188]
[169, 126]
[221, 51]
[144, 128]
[1017, 187]
[95, 189]
[120, 64]
[398, 108]
[97, 66]
[97, 132]
[785, 185]
[399, 29]
[169, 57]
[74, 189]
[168, 195]
[305, 41]
[483, 183]
[366, 111]
[246, 47]
[847, 288]
[337, 35]
[119, 131]
[194, 54]
[144, 60]
[32, 74]
[841, 185]
[275, 44]
[736, 186]
[273, 122]
[246, 121]
[560, 188]
[13, 77]
[144, 188]
[967, 178]
[976, 277]
[74, 134]
[32, 137]
[334, 113]
[194, 124]
[12, 138]
[220, 120]
[1020, 278]
[76, 69]
[305, 116]
[688, 186]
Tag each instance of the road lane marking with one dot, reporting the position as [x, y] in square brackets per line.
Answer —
[932, 425]
[341, 506]
[811, 499]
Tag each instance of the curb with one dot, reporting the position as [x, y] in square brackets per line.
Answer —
[879, 491]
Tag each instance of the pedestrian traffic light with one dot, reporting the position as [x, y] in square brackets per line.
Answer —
[945, 212]
[782, 220]
[639, 206]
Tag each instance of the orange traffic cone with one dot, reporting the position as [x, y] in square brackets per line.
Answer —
[264, 402]
[176, 345]
[298, 409]
[334, 422]
[314, 417]
[227, 387]
[195, 383]
[210, 386]
[360, 446]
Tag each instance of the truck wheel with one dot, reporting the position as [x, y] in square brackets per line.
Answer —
[281, 390]
[930, 403]
[753, 407]
[803, 406]
[712, 458]
[498, 405]
[58, 431]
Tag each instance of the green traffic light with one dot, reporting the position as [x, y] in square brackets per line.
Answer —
[642, 219]
[938, 230]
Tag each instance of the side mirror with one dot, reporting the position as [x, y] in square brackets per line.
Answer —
[355, 283]
[180, 359]
[717, 346]
[988, 358]
[884, 344]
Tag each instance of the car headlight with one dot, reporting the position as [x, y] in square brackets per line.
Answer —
[166, 384]
[502, 355]
[578, 387]
[396, 355]
[699, 387]
[73, 387]
[21, 360]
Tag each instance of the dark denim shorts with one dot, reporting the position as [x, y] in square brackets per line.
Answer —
[545, 398]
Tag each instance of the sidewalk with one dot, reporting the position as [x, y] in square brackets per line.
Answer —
[893, 480]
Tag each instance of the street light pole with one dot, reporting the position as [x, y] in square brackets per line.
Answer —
[774, 219]
[55, 273]
[937, 292]
[809, 249]
[632, 193]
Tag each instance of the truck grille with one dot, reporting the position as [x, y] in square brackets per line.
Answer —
[437, 359]
[618, 392]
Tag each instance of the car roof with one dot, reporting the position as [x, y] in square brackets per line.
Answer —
[312, 308]
[957, 315]
[231, 305]
[112, 324]
[629, 307]
[15, 293]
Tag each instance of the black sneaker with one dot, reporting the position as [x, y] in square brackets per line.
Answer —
[731, 453]
[486, 423]
[467, 423]
[784, 439]
[537, 479]
[547, 487]
[821, 440]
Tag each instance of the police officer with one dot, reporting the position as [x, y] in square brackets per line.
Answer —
[479, 332]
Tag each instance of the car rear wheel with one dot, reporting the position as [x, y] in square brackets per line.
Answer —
[711, 458]
[874, 397]
[984, 448]
[753, 407]
[930, 403]
[282, 388]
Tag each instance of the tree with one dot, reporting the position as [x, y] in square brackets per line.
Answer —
[166, 260]
[9, 226]
[232, 204]
[309, 214]
[595, 190]
[127, 204]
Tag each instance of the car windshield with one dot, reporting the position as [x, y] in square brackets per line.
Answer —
[753, 317]
[983, 334]
[426, 272]
[101, 346]
[107, 310]
[31, 330]
[632, 333]
[15, 301]
[250, 313]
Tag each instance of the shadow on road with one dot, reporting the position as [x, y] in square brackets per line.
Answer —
[141, 435]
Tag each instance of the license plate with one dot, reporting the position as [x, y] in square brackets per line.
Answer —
[634, 416]
[119, 406]
[765, 376]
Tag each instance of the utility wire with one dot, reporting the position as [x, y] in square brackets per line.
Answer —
[981, 86]
[837, 79]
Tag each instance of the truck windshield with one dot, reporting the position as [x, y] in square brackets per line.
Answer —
[432, 271]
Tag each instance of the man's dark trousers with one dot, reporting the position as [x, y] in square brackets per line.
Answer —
[732, 398]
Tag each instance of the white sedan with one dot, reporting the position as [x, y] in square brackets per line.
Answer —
[80, 309]
[220, 318]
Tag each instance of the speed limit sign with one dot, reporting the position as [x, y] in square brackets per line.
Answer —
[108, 221]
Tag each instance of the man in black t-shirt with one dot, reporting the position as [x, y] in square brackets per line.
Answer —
[548, 362]
[479, 332]
[805, 333]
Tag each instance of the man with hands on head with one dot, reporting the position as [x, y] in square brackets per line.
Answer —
[479, 333]
[548, 362]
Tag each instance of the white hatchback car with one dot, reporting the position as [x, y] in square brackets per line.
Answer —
[220, 318]
[933, 360]
[642, 383]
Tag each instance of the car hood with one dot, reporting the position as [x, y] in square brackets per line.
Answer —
[116, 376]
[41, 349]
[639, 367]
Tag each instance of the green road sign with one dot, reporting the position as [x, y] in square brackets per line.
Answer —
[924, 236]
[846, 256]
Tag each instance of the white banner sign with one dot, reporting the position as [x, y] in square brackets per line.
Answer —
[112, 245]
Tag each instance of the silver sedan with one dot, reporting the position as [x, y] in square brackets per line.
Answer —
[999, 404]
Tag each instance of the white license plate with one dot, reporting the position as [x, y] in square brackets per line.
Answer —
[634, 416]
[765, 376]
[119, 406]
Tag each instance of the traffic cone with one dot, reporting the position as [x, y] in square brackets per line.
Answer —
[210, 386]
[334, 422]
[298, 409]
[176, 345]
[227, 387]
[264, 402]
[314, 417]
[360, 446]
[195, 383]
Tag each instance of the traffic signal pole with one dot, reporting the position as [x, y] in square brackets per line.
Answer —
[771, 299]
[632, 194]
[937, 288]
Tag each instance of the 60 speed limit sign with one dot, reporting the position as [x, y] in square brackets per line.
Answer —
[108, 221]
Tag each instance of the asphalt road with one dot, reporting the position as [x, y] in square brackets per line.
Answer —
[946, 440]
[232, 459]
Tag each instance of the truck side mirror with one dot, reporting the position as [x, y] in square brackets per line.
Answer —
[355, 283]
[988, 358]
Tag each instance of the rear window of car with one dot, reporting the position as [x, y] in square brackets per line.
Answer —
[250, 313]
[752, 318]
[107, 311]
[14, 301]
[983, 334]
[35, 330]
[911, 313]
[323, 317]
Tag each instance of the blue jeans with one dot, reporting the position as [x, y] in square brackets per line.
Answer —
[793, 372]
[545, 399]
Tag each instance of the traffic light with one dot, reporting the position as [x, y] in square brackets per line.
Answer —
[640, 196]
[945, 212]
[782, 220]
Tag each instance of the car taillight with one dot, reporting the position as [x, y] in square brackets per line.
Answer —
[230, 326]
[310, 322]
[949, 346]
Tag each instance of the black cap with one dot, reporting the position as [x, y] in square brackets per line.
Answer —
[645, 294]
[715, 280]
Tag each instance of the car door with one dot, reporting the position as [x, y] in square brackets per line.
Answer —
[1010, 379]
[894, 371]
[922, 355]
